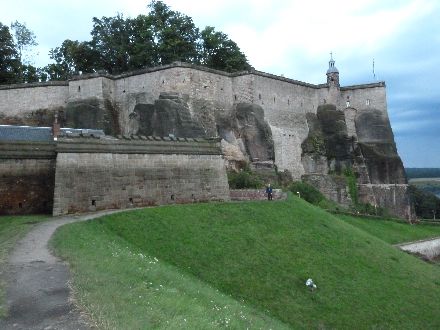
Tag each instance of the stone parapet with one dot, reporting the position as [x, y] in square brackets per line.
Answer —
[27, 150]
[140, 145]
[87, 182]
[255, 194]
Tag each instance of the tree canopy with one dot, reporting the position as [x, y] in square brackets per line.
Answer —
[119, 44]
[9, 63]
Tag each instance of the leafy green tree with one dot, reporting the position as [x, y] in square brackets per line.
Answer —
[71, 58]
[111, 39]
[24, 40]
[29, 73]
[9, 63]
[220, 52]
[143, 50]
[177, 36]
[425, 203]
[160, 37]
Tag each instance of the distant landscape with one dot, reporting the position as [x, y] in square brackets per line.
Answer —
[426, 179]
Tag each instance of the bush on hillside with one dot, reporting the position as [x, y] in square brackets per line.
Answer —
[368, 209]
[307, 192]
[244, 179]
[425, 203]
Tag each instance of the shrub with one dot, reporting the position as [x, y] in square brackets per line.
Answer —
[244, 179]
[368, 209]
[350, 178]
[308, 192]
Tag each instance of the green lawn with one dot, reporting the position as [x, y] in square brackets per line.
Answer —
[245, 265]
[12, 228]
[393, 232]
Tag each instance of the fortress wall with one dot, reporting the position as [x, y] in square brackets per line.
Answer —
[206, 91]
[97, 174]
[394, 197]
[27, 173]
[17, 101]
[197, 84]
[285, 106]
[97, 181]
[358, 98]
[26, 186]
[211, 87]
[362, 100]
[243, 89]
[86, 89]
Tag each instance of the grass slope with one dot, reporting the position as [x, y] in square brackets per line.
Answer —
[258, 256]
[12, 228]
[393, 232]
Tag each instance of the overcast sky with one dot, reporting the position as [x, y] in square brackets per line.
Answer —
[294, 38]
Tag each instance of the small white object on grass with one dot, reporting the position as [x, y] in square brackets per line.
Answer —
[310, 284]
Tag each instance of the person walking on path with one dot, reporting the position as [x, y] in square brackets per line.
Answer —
[269, 192]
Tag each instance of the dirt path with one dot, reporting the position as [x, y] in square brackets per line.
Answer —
[38, 292]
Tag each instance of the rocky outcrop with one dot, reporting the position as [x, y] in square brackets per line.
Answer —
[369, 153]
[91, 113]
[169, 115]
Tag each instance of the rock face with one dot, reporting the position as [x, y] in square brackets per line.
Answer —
[246, 136]
[327, 151]
[169, 115]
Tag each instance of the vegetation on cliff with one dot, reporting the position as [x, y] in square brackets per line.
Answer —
[426, 204]
[245, 265]
[121, 44]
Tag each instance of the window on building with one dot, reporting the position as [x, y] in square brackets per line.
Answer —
[367, 102]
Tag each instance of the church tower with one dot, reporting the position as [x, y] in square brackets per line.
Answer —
[332, 73]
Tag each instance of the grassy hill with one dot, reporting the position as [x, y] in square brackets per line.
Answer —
[244, 265]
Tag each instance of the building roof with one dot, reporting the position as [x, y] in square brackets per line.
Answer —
[40, 134]
[331, 65]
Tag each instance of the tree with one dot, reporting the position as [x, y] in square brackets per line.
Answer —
[24, 40]
[221, 53]
[71, 58]
[29, 73]
[9, 63]
[111, 39]
[143, 50]
[160, 37]
[425, 203]
[176, 35]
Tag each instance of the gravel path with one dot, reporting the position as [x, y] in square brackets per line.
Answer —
[38, 292]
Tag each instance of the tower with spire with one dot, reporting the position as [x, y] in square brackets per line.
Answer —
[332, 73]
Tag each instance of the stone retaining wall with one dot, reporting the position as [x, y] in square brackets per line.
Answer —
[119, 174]
[27, 172]
[254, 194]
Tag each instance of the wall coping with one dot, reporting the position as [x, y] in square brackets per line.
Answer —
[27, 150]
[139, 146]
[92, 144]
[252, 71]
[36, 84]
